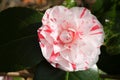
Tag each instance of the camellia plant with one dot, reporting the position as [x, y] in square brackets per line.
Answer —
[64, 42]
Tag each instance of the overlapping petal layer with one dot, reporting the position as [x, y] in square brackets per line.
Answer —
[70, 39]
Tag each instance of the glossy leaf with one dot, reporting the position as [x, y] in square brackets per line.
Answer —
[91, 74]
[19, 47]
[45, 71]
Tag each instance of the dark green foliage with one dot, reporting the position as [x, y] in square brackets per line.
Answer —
[109, 63]
[109, 15]
[45, 71]
[19, 47]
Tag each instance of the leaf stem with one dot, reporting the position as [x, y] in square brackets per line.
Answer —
[67, 76]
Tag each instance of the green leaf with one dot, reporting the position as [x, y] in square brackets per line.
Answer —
[91, 74]
[17, 78]
[45, 71]
[19, 47]
[101, 7]
[69, 3]
[98, 5]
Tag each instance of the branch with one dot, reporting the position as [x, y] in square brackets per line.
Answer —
[23, 73]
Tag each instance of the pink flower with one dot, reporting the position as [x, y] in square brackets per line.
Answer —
[70, 39]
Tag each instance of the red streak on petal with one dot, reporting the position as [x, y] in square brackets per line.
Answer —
[43, 20]
[47, 15]
[86, 67]
[65, 9]
[48, 30]
[40, 36]
[55, 42]
[54, 56]
[42, 45]
[73, 66]
[56, 65]
[39, 30]
[69, 46]
[53, 20]
[47, 26]
[64, 21]
[59, 41]
[95, 28]
[96, 33]
[86, 62]
[93, 20]
[83, 12]
[79, 33]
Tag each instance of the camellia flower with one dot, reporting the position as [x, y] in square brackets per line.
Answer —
[70, 39]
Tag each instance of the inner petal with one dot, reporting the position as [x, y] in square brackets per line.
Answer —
[66, 36]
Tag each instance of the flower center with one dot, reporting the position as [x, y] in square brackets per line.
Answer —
[66, 36]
